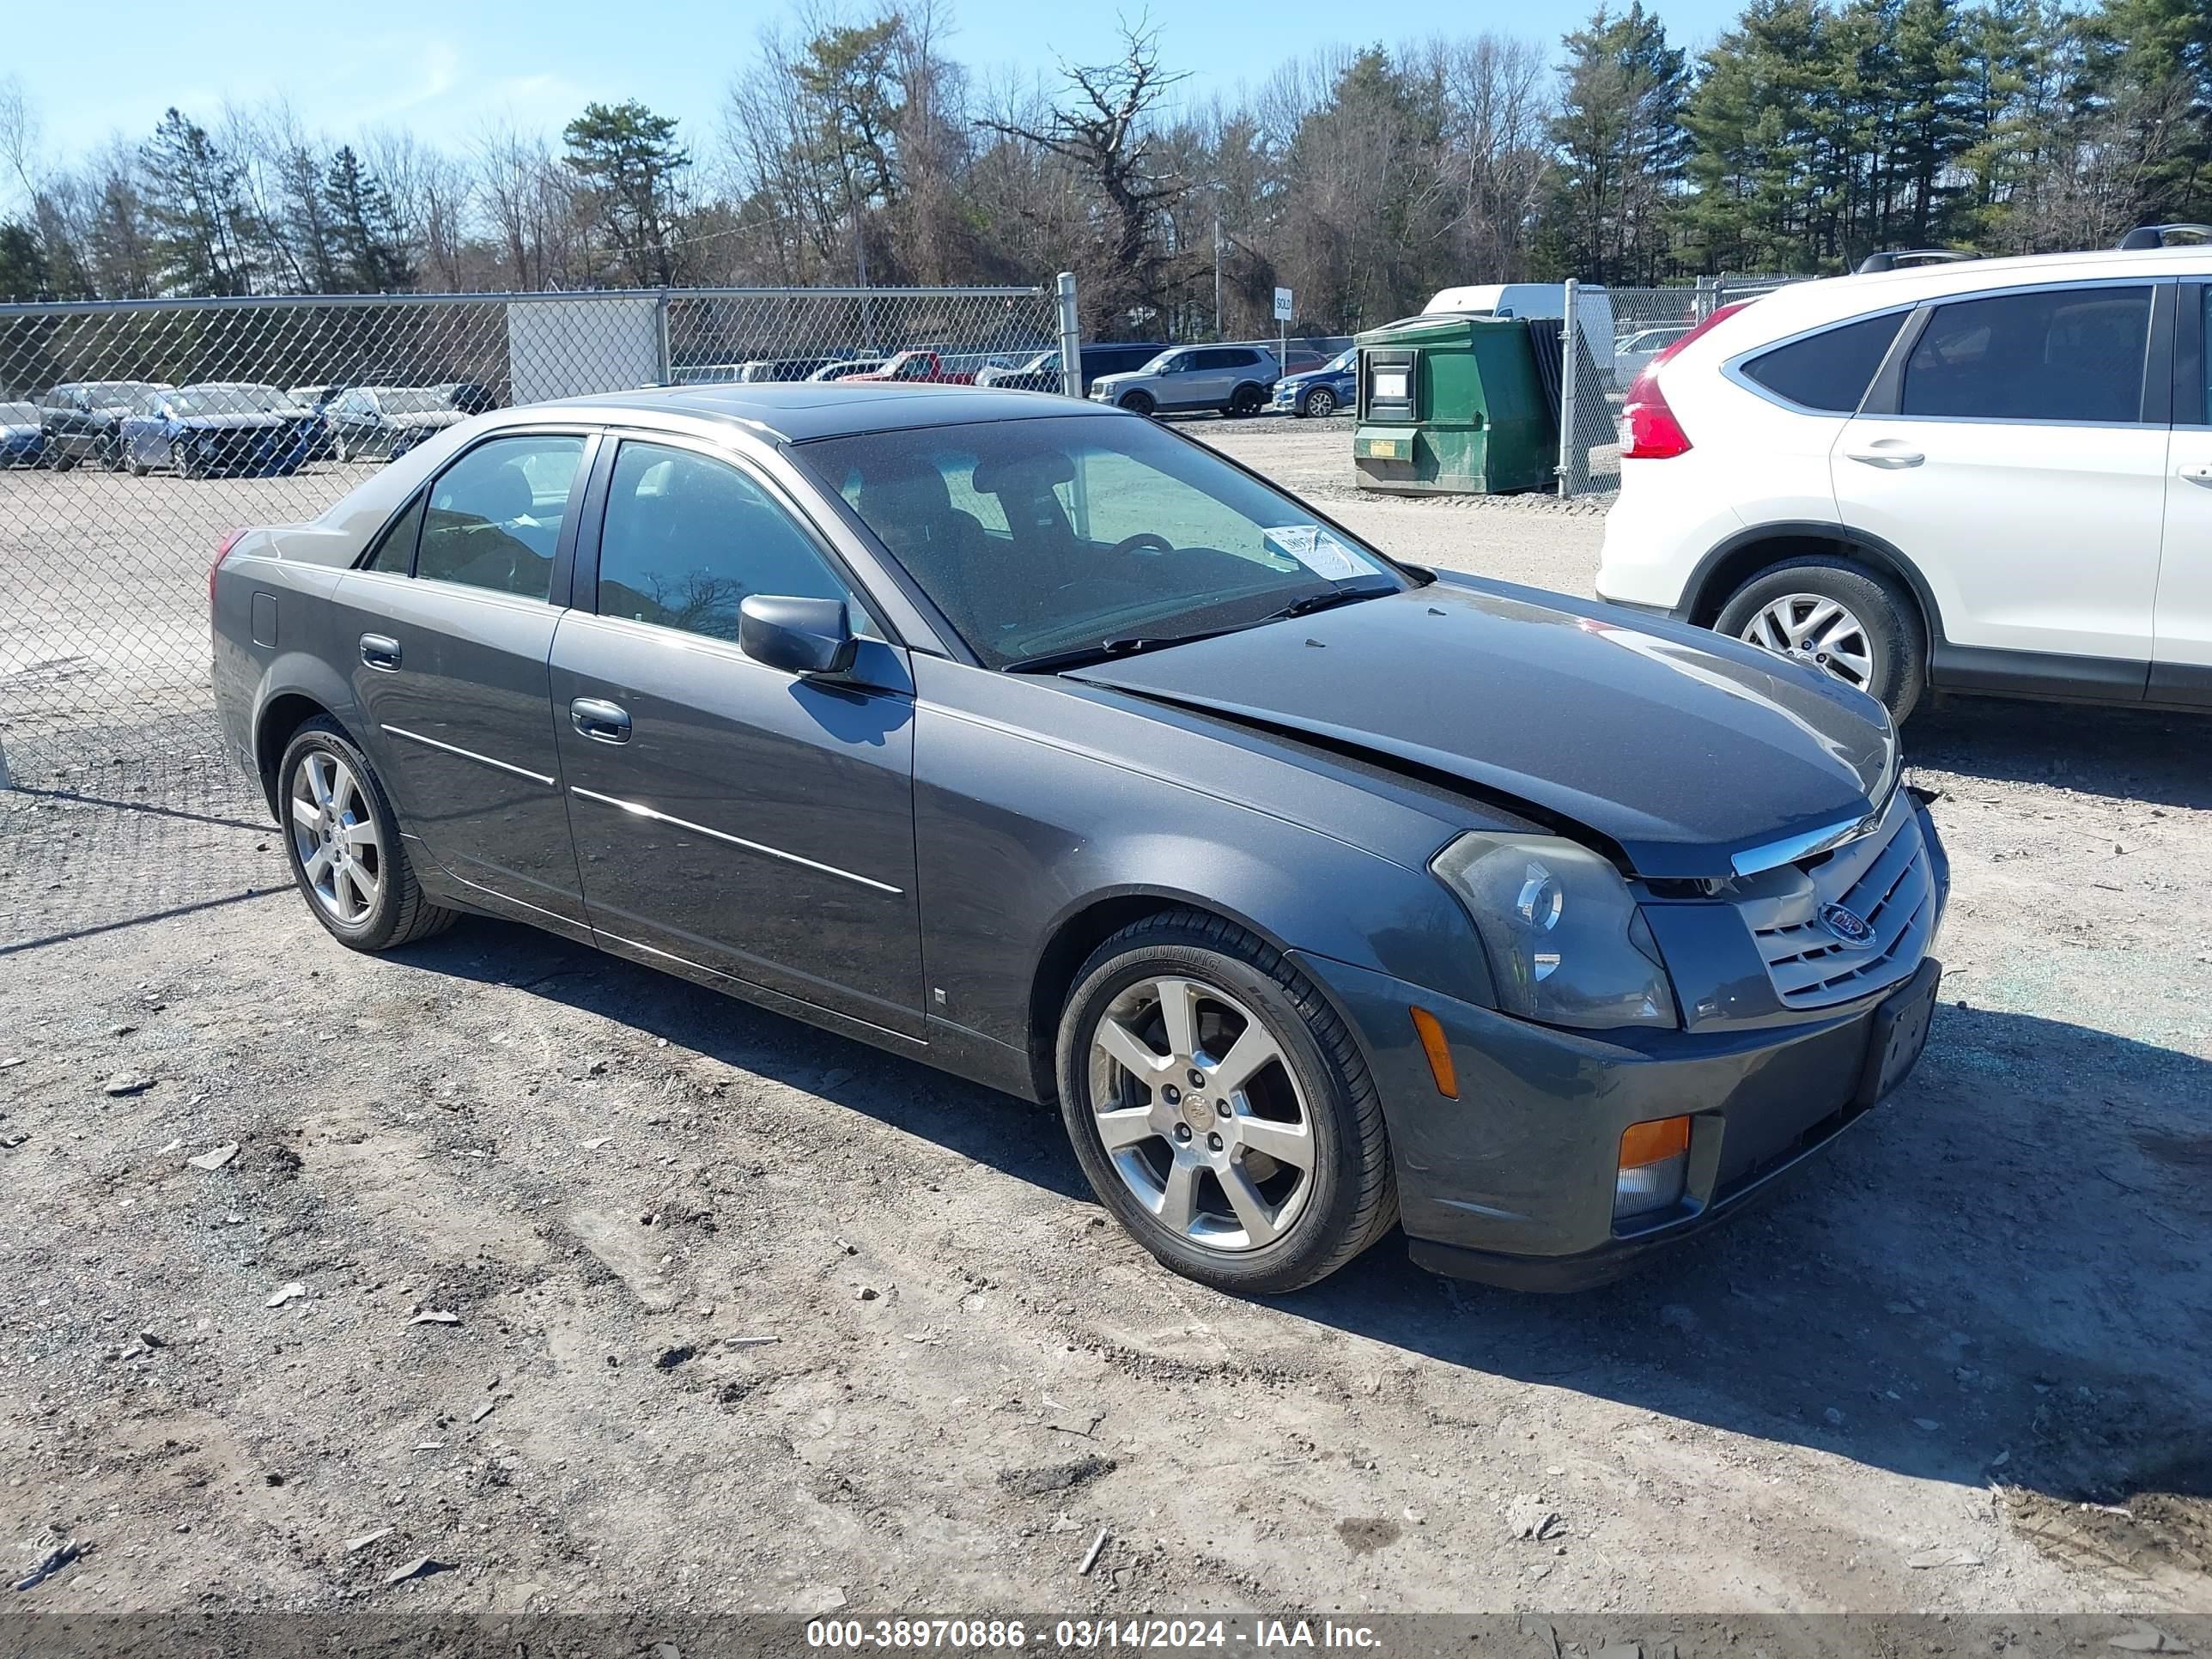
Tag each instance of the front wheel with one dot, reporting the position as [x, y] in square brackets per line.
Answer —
[1219, 1108]
[1852, 624]
[180, 458]
[344, 845]
[1138, 403]
[1320, 403]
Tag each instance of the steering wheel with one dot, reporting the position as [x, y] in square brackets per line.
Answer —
[1143, 541]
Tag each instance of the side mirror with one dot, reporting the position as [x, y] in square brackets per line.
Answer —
[800, 636]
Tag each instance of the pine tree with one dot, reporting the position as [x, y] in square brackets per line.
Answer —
[1621, 145]
[368, 257]
[632, 168]
[201, 226]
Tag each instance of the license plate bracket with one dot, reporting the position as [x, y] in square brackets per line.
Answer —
[1899, 1033]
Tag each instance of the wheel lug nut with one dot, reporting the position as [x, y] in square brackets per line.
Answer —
[1213, 1143]
[1221, 1108]
[1197, 1078]
[1182, 1131]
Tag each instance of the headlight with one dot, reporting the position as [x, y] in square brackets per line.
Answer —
[1567, 945]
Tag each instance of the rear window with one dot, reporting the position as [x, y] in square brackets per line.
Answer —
[1831, 370]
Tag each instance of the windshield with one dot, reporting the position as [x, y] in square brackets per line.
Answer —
[1040, 535]
[116, 394]
[1043, 362]
[1343, 363]
[406, 402]
[226, 400]
[18, 415]
[1161, 364]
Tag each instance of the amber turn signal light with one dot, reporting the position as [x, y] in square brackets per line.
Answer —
[1439, 1051]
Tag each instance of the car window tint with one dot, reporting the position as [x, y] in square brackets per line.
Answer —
[1830, 370]
[394, 551]
[2061, 355]
[687, 538]
[495, 515]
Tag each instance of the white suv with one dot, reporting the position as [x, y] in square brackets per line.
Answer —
[1985, 476]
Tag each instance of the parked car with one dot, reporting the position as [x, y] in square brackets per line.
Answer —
[83, 419]
[1230, 380]
[23, 437]
[759, 370]
[218, 427]
[1041, 744]
[317, 399]
[469, 396]
[1322, 390]
[919, 368]
[1633, 354]
[1984, 476]
[845, 368]
[1593, 307]
[1042, 372]
[385, 421]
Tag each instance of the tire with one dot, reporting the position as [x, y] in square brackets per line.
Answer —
[180, 458]
[1312, 1074]
[1246, 401]
[111, 456]
[1877, 645]
[1139, 403]
[1320, 403]
[321, 766]
[341, 451]
[137, 468]
[62, 463]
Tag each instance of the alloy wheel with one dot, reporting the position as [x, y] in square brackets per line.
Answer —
[1818, 631]
[334, 835]
[1320, 403]
[1201, 1114]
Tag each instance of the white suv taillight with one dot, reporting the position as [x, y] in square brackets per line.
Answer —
[1649, 430]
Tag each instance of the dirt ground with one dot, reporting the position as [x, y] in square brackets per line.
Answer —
[603, 1292]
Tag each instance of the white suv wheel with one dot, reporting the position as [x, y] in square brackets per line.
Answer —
[1817, 631]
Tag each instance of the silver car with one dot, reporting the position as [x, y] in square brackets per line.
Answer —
[1232, 379]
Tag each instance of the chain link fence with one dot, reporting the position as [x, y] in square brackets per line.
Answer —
[1623, 328]
[133, 435]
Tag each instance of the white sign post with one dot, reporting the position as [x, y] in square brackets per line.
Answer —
[1283, 301]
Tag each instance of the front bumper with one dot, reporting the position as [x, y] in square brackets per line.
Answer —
[1513, 1182]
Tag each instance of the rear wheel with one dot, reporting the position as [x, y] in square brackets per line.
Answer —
[1139, 403]
[1852, 624]
[1220, 1108]
[344, 845]
[1246, 401]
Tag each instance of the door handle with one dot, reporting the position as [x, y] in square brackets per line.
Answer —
[1890, 458]
[599, 721]
[2201, 473]
[380, 650]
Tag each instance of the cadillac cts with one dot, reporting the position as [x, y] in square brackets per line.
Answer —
[1037, 742]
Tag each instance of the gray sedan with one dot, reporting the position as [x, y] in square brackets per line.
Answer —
[1039, 744]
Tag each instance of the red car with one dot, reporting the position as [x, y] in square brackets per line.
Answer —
[918, 368]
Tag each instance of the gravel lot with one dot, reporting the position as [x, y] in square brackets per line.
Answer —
[743, 1316]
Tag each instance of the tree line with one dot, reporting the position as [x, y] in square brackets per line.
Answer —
[1809, 134]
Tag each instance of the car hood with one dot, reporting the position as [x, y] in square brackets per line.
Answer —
[1680, 750]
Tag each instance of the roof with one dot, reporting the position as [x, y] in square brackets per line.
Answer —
[1805, 304]
[795, 411]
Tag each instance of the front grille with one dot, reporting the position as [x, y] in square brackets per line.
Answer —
[1883, 878]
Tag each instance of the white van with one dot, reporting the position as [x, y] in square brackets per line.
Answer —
[1539, 299]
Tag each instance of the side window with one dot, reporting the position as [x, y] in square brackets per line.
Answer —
[688, 538]
[1831, 370]
[394, 551]
[495, 515]
[2062, 355]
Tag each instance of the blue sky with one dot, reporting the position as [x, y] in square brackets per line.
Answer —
[445, 70]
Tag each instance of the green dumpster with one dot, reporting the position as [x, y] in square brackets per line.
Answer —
[1451, 405]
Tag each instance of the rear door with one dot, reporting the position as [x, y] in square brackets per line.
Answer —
[2014, 449]
[446, 630]
[2181, 646]
[731, 815]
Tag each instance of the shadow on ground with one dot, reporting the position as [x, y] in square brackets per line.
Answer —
[1862, 1290]
[2136, 755]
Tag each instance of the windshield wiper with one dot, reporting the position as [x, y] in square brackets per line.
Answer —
[1328, 598]
[1129, 645]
